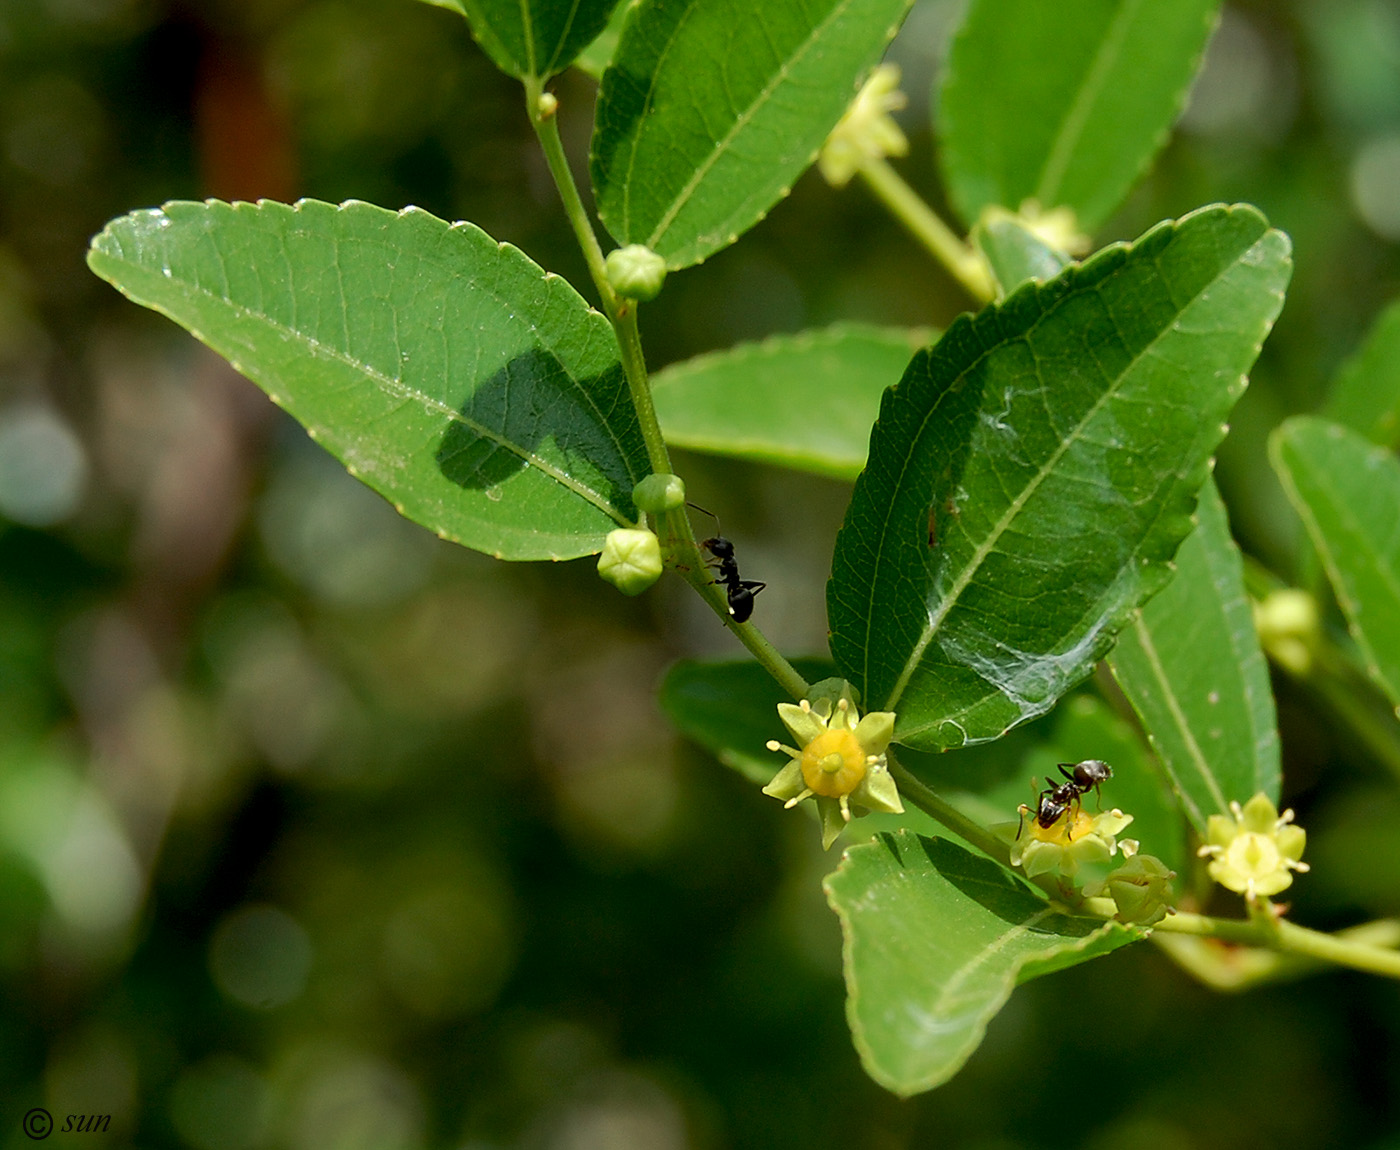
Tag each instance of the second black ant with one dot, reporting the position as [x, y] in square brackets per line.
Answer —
[1059, 797]
[738, 592]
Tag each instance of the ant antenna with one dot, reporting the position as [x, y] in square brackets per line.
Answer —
[703, 511]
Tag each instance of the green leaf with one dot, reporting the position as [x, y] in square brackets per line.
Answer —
[1366, 394]
[533, 39]
[1058, 439]
[803, 401]
[731, 709]
[1064, 104]
[1015, 253]
[936, 939]
[1347, 491]
[1191, 665]
[598, 55]
[478, 394]
[712, 108]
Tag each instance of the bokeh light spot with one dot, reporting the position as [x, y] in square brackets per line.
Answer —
[222, 1103]
[43, 467]
[260, 956]
[1375, 185]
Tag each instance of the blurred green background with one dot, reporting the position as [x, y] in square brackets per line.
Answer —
[319, 833]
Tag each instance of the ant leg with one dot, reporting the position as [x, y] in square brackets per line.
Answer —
[1021, 811]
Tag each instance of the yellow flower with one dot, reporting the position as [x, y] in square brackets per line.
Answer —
[1069, 842]
[1254, 850]
[867, 131]
[842, 760]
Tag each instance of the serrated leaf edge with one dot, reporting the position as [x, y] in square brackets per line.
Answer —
[1114, 622]
[389, 386]
[978, 1028]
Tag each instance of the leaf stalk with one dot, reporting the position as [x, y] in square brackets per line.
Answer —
[913, 790]
[909, 208]
[1287, 937]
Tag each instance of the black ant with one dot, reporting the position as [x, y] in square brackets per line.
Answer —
[1057, 798]
[739, 592]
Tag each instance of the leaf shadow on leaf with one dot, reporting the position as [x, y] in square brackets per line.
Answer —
[981, 880]
[532, 411]
[608, 149]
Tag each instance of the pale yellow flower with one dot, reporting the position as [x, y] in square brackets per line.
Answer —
[867, 131]
[840, 761]
[1254, 850]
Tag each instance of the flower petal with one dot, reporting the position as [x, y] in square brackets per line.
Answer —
[803, 722]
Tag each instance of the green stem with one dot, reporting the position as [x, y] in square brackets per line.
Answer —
[542, 118]
[629, 341]
[677, 536]
[1287, 937]
[622, 313]
[936, 807]
[683, 556]
[942, 242]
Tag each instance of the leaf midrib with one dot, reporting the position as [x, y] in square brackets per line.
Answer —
[1183, 726]
[1072, 127]
[721, 145]
[399, 390]
[984, 549]
[954, 983]
[1344, 586]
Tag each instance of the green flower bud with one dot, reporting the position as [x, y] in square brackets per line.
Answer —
[1290, 628]
[636, 272]
[1140, 889]
[631, 560]
[659, 493]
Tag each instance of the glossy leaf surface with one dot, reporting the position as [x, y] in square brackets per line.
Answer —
[712, 108]
[1347, 491]
[936, 938]
[1031, 476]
[479, 395]
[533, 38]
[1366, 394]
[1191, 665]
[1064, 104]
[803, 401]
